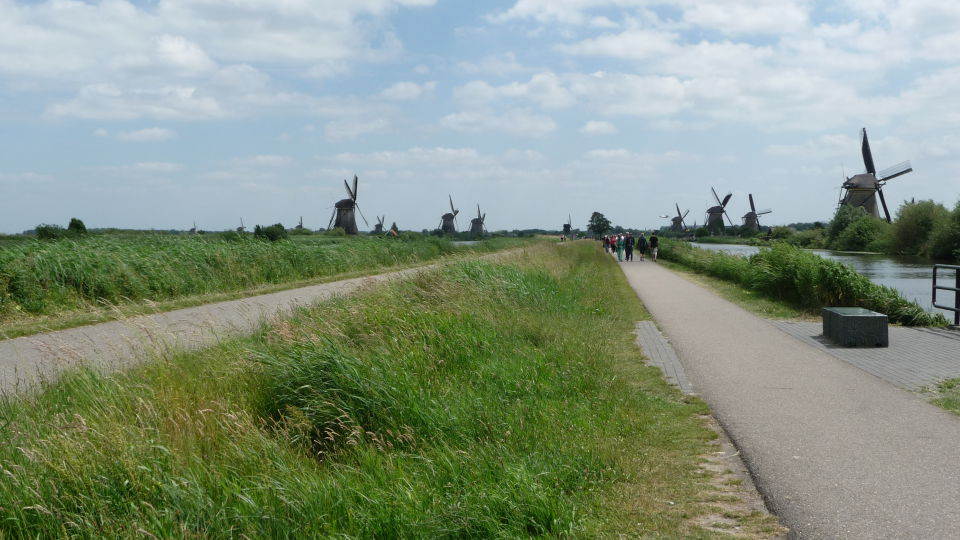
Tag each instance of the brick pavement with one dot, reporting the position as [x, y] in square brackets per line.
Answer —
[661, 354]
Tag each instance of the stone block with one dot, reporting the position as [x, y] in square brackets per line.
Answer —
[855, 327]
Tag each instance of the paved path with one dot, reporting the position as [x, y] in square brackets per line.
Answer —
[836, 452]
[917, 358]
[25, 360]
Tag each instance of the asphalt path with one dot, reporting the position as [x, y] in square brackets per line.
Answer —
[25, 361]
[836, 452]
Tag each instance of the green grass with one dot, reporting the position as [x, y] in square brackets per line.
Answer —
[57, 284]
[947, 395]
[483, 399]
[802, 279]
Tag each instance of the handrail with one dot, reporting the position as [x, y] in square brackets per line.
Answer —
[956, 290]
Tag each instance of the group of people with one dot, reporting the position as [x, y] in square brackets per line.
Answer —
[623, 245]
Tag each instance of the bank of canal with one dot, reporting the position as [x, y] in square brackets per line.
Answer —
[911, 276]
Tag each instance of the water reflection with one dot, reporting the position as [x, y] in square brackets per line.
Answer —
[911, 276]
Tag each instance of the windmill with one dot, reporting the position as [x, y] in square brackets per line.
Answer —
[715, 214]
[448, 222]
[378, 228]
[343, 211]
[676, 222]
[862, 188]
[751, 220]
[567, 226]
[241, 228]
[394, 229]
[476, 224]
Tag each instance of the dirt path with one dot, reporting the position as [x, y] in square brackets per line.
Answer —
[836, 452]
[25, 360]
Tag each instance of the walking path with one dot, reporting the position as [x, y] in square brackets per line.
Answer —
[836, 452]
[26, 360]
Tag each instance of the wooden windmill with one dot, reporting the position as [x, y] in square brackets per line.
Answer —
[715, 214]
[378, 228]
[476, 224]
[676, 222]
[751, 220]
[864, 189]
[343, 211]
[567, 226]
[448, 223]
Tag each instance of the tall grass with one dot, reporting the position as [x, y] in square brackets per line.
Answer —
[50, 276]
[482, 400]
[803, 279]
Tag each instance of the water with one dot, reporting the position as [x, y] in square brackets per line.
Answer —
[911, 276]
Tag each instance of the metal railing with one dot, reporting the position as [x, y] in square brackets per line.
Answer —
[955, 308]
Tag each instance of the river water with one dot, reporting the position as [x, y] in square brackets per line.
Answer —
[911, 276]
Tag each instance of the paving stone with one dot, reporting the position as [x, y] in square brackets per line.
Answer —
[661, 354]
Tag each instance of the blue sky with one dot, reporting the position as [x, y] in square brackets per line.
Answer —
[158, 114]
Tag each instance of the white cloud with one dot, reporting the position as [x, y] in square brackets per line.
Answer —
[499, 64]
[598, 127]
[353, 128]
[516, 122]
[266, 161]
[107, 101]
[146, 135]
[407, 91]
[183, 55]
[145, 167]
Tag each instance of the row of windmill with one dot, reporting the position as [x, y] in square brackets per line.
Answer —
[344, 216]
[861, 190]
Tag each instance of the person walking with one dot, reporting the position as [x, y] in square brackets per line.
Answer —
[642, 245]
[606, 244]
[654, 245]
[620, 247]
[613, 243]
[628, 246]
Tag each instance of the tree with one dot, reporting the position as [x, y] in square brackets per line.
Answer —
[76, 227]
[598, 224]
[272, 233]
[916, 221]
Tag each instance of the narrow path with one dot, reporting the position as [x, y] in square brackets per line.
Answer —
[837, 452]
[111, 345]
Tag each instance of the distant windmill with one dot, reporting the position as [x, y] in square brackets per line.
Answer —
[448, 222]
[194, 229]
[751, 220]
[676, 222]
[394, 229]
[567, 226]
[378, 228]
[715, 214]
[862, 188]
[476, 224]
[343, 211]
[241, 228]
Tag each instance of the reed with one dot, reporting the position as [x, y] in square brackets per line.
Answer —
[480, 400]
[803, 279]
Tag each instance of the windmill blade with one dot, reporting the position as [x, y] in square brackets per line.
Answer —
[569, 220]
[764, 212]
[451, 205]
[347, 187]
[357, 206]
[332, 217]
[478, 210]
[715, 195]
[894, 171]
[684, 214]
[752, 207]
[867, 154]
[728, 218]
[483, 218]
[355, 179]
[883, 202]
[726, 199]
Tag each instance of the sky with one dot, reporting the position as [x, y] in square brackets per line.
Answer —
[161, 113]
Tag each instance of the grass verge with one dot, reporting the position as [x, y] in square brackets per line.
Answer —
[61, 301]
[483, 399]
[947, 395]
[802, 279]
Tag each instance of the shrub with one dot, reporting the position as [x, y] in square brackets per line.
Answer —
[50, 232]
[272, 233]
[915, 224]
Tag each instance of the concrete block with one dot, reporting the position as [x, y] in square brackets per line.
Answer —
[855, 327]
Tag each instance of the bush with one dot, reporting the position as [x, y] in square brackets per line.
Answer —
[50, 232]
[272, 233]
[913, 229]
[945, 240]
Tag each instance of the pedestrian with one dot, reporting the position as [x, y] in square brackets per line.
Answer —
[613, 243]
[606, 244]
[642, 245]
[620, 247]
[628, 246]
[654, 245]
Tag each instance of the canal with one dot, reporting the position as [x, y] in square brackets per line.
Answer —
[911, 276]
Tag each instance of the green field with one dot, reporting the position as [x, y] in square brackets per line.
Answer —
[480, 399]
[91, 276]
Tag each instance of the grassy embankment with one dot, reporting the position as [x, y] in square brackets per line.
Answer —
[802, 279]
[482, 399]
[48, 285]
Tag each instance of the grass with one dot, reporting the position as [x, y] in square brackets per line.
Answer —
[947, 395]
[482, 399]
[49, 285]
[802, 279]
